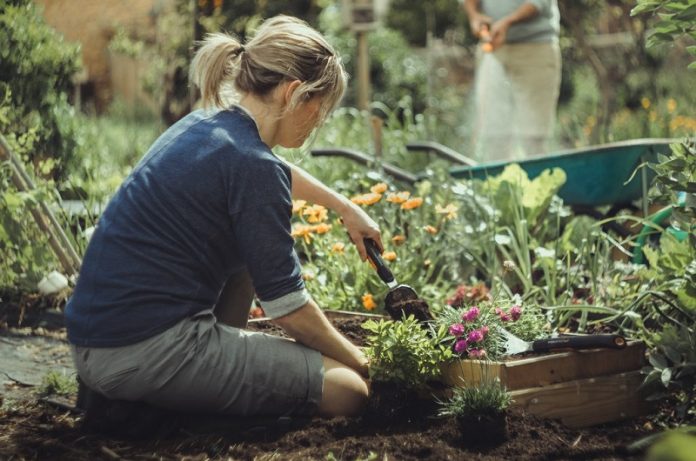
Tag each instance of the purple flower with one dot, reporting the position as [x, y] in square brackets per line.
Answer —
[460, 346]
[485, 330]
[515, 312]
[471, 314]
[502, 314]
[456, 330]
[477, 353]
[475, 336]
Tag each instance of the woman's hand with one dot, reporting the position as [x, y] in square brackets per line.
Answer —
[359, 226]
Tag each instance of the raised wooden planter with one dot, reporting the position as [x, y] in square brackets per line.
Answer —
[581, 388]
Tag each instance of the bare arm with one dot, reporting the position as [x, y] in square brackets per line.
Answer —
[477, 21]
[358, 224]
[308, 325]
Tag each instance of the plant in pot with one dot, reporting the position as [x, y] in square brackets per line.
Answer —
[480, 411]
[405, 358]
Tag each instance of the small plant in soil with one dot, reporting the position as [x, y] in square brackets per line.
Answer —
[480, 411]
[405, 358]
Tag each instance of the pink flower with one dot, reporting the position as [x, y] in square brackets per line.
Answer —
[475, 336]
[477, 353]
[471, 314]
[456, 330]
[460, 346]
[515, 312]
[485, 330]
[502, 314]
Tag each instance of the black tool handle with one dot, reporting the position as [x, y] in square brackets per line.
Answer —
[579, 342]
[373, 254]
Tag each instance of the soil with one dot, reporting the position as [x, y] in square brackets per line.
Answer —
[47, 427]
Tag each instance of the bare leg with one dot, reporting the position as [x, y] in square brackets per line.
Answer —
[345, 391]
[235, 300]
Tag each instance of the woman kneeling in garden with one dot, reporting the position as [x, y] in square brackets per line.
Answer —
[200, 226]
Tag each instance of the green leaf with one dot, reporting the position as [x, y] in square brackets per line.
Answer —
[666, 376]
[658, 361]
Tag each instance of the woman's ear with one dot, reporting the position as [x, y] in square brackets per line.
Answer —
[289, 91]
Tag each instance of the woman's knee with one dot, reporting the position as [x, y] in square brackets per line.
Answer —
[345, 391]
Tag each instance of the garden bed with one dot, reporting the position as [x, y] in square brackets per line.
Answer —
[35, 429]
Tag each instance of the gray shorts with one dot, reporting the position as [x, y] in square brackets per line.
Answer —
[201, 365]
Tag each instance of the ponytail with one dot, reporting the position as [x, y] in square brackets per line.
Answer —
[214, 64]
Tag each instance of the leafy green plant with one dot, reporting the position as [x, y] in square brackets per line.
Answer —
[58, 383]
[404, 352]
[676, 20]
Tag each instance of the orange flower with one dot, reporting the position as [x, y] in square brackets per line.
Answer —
[307, 276]
[298, 205]
[389, 256]
[430, 229]
[338, 247]
[315, 213]
[302, 230]
[450, 211]
[368, 301]
[379, 188]
[322, 228]
[412, 203]
[399, 197]
[398, 239]
[366, 199]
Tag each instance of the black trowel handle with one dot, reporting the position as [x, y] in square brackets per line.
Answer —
[579, 342]
[373, 254]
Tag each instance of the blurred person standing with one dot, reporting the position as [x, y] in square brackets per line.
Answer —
[518, 76]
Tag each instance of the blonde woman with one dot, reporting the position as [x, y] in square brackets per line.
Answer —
[201, 226]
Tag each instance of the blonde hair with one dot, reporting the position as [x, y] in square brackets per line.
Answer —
[282, 50]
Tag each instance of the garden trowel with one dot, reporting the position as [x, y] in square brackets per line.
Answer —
[515, 345]
[402, 300]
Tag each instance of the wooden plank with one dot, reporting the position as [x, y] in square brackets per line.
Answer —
[547, 369]
[587, 402]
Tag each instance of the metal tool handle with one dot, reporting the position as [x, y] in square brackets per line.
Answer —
[373, 255]
[610, 341]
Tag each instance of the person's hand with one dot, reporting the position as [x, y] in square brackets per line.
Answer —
[478, 23]
[498, 32]
[360, 226]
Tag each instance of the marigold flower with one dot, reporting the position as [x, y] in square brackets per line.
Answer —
[304, 231]
[307, 276]
[412, 203]
[515, 312]
[430, 229]
[338, 247]
[368, 302]
[450, 210]
[471, 314]
[645, 102]
[298, 205]
[460, 346]
[671, 105]
[456, 330]
[379, 188]
[389, 256]
[399, 197]
[366, 199]
[315, 214]
[474, 336]
[398, 239]
[322, 228]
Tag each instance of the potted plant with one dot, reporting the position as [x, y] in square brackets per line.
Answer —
[480, 411]
[405, 358]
